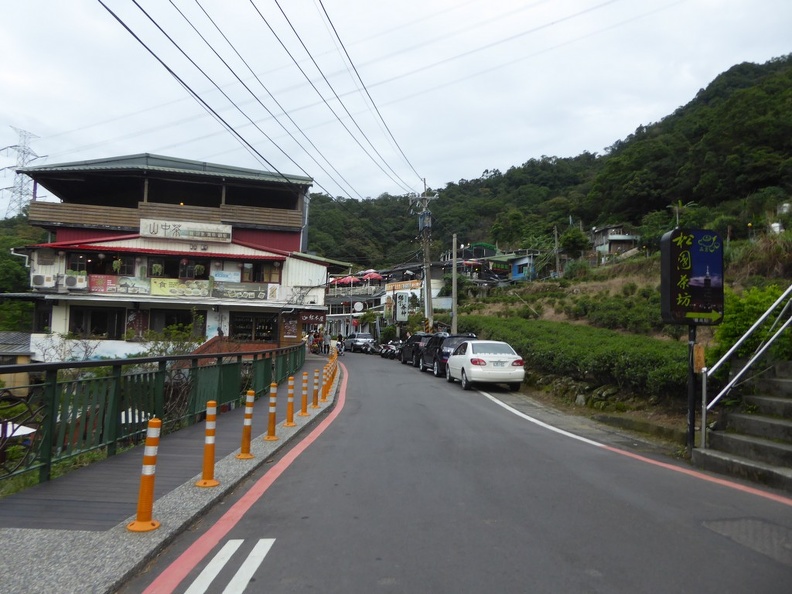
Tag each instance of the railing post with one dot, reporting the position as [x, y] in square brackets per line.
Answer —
[112, 422]
[207, 474]
[272, 411]
[51, 416]
[703, 408]
[145, 508]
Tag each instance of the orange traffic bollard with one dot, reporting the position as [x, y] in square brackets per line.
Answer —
[270, 436]
[207, 475]
[247, 427]
[289, 422]
[316, 387]
[304, 408]
[145, 508]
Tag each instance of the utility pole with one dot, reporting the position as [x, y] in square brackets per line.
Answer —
[425, 230]
[454, 286]
[558, 262]
[21, 192]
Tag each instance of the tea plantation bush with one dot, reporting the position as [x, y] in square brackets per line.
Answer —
[641, 365]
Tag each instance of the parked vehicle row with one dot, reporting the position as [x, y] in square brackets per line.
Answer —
[461, 357]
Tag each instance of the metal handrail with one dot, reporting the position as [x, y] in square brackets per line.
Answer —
[707, 372]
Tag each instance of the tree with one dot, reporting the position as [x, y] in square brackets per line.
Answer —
[574, 241]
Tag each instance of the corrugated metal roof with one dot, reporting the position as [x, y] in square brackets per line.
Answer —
[15, 343]
[149, 162]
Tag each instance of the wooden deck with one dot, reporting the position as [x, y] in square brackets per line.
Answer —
[104, 494]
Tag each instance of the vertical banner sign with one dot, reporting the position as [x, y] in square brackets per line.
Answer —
[402, 307]
[691, 277]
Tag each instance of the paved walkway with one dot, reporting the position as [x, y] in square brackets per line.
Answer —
[69, 534]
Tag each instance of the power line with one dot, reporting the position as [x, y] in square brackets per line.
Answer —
[263, 86]
[400, 181]
[335, 32]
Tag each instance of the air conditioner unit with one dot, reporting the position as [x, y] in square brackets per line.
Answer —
[75, 282]
[42, 281]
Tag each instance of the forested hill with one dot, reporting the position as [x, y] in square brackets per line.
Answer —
[722, 161]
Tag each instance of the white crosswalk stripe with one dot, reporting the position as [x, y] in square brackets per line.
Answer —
[243, 575]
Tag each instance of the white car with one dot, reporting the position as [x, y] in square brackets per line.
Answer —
[485, 361]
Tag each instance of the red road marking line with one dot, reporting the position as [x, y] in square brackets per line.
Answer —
[705, 477]
[175, 573]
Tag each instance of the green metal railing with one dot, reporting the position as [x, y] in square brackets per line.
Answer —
[77, 407]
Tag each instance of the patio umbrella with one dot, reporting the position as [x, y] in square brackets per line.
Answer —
[348, 280]
[373, 275]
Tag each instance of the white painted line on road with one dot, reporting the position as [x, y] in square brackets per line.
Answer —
[201, 583]
[542, 423]
[245, 573]
[672, 467]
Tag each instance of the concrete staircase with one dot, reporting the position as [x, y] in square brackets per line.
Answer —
[755, 441]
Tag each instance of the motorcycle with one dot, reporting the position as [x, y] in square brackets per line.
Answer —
[393, 349]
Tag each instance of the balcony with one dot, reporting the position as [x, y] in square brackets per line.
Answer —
[49, 214]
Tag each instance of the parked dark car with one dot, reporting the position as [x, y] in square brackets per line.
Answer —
[438, 348]
[412, 348]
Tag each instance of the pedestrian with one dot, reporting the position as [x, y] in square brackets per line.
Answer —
[326, 344]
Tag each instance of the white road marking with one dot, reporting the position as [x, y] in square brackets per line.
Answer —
[214, 567]
[542, 423]
[243, 576]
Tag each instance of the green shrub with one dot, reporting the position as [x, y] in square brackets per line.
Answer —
[741, 312]
[642, 365]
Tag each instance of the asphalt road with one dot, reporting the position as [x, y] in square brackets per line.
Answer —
[413, 485]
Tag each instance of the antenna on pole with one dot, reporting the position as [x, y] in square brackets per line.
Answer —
[22, 190]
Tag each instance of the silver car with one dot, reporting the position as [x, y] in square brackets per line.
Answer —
[485, 361]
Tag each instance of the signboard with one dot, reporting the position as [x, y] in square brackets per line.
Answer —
[402, 306]
[185, 230]
[174, 287]
[137, 322]
[110, 283]
[312, 317]
[249, 291]
[691, 277]
[227, 276]
[403, 285]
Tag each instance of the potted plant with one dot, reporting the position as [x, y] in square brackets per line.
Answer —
[117, 265]
[199, 269]
[156, 270]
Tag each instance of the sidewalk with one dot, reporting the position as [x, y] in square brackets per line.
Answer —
[70, 535]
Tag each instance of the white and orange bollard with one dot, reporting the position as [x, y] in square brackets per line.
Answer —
[207, 473]
[304, 406]
[289, 422]
[247, 427]
[316, 387]
[270, 436]
[145, 508]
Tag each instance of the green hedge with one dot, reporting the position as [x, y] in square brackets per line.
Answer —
[641, 365]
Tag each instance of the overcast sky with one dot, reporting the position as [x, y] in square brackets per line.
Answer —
[458, 86]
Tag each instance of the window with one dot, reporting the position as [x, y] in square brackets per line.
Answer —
[270, 272]
[77, 262]
[159, 319]
[42, 318]
[254, 327]
[126, 266]
[186, 268]
[261, 272]
[97, 323]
